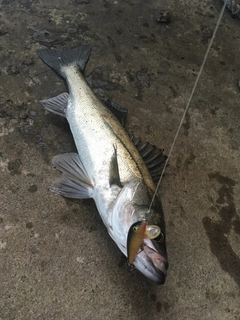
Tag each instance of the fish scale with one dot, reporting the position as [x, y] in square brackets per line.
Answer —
[88, 117]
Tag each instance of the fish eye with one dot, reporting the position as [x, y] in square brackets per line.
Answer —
[160, 238]
[135, 228]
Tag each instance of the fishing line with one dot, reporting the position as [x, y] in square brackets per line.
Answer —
[189, 101]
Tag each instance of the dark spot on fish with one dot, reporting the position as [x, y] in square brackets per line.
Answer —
[145, 24]
[29, 225]
[14, 166]
[1, 220]
[217, 230]
[186, 125]
[33, 188]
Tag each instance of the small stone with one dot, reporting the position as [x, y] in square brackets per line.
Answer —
[29, 225]
[34, 250]
[12, 70]
[163, 17]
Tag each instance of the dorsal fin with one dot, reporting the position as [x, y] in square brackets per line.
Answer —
[153, 157]
[120, 112]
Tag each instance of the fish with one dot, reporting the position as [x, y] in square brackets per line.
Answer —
[234, 7]
[115, 170]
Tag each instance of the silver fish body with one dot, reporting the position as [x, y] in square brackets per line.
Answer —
[104, 147]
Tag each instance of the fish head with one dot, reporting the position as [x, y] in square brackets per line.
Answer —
[130, 219]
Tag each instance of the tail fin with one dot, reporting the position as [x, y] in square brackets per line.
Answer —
[58, 59]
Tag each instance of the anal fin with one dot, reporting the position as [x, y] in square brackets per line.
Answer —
[57, 105]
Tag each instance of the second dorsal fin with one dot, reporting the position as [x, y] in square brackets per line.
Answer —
[153, 157]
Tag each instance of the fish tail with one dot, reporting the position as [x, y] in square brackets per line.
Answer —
[58, 59]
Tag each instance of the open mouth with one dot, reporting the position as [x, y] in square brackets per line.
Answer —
[151, 263]
[155, 257]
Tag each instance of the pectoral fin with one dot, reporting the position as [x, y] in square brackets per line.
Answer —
[114, 172]
[75, 182]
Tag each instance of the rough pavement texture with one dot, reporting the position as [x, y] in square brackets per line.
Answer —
[56, 258]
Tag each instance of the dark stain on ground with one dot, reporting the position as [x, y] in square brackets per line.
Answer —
[112, 44]
[14, 166]
[143, 81]
[206, 34]
[96, 81]
[217, 230]
[32, 189]
[214, 110]
[191, 157]
[186, 125]
[29, 225]
[122, 261]
[174, 91]
[159, 305]
[184, 160]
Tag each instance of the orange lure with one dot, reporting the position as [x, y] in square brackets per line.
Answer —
[136, 234]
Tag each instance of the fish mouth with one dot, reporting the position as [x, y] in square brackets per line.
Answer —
[152, 263]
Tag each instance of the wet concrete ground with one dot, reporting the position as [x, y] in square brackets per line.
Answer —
[56, 258]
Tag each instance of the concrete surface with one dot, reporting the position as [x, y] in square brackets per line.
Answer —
[57, 260]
